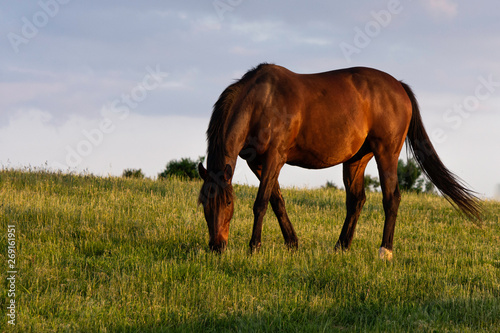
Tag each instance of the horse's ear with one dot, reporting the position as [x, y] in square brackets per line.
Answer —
[228, 173]
[202, 171]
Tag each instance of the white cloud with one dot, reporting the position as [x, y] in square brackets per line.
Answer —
[182, 81]
[18, 92]
[244, 51]
[28, 139]
[442, 8]
[259, 31]
[315, 41]
[207, 23]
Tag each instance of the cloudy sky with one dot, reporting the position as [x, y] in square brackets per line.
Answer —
[103, 86]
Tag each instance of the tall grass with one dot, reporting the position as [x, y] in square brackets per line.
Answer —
[114, 255]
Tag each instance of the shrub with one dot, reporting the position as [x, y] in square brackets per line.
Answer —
[184, 168]
[330, 184]
[133, 173]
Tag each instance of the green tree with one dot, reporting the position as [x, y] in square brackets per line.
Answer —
[330, 184]
[133, 173]
[408, 175]
[371, 183]
[184, 168]
[411, 178]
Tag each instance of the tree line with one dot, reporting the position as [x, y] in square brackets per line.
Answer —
[185, 168]
[410, 175]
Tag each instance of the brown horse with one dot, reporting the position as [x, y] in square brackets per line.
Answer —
[272, 116]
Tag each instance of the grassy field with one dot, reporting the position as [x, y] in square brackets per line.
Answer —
[118, 255]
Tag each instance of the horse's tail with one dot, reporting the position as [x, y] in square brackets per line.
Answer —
[425, 154]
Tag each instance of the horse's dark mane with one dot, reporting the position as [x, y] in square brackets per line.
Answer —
[214, 191]
[219, 121]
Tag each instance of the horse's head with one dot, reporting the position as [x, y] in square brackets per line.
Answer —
[216, 196]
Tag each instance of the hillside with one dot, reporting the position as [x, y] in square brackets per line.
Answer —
[113, 254]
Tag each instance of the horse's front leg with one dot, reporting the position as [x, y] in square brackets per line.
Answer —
[278, 205]
[268, 180]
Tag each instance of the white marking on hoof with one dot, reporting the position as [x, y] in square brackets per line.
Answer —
[385, 254]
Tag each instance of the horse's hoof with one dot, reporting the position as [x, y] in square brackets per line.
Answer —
[385, 254]
[339, 248]
[254, 248]
[292, 246]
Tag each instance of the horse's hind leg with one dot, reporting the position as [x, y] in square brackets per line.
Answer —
[388, 166]
[353, 174]
[278, 205]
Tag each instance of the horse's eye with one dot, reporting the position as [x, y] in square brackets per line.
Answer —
[229, 202]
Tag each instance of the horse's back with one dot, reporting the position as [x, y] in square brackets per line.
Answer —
[323, 119]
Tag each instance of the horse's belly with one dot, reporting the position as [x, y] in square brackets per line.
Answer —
[328, 135]
[323, 155]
